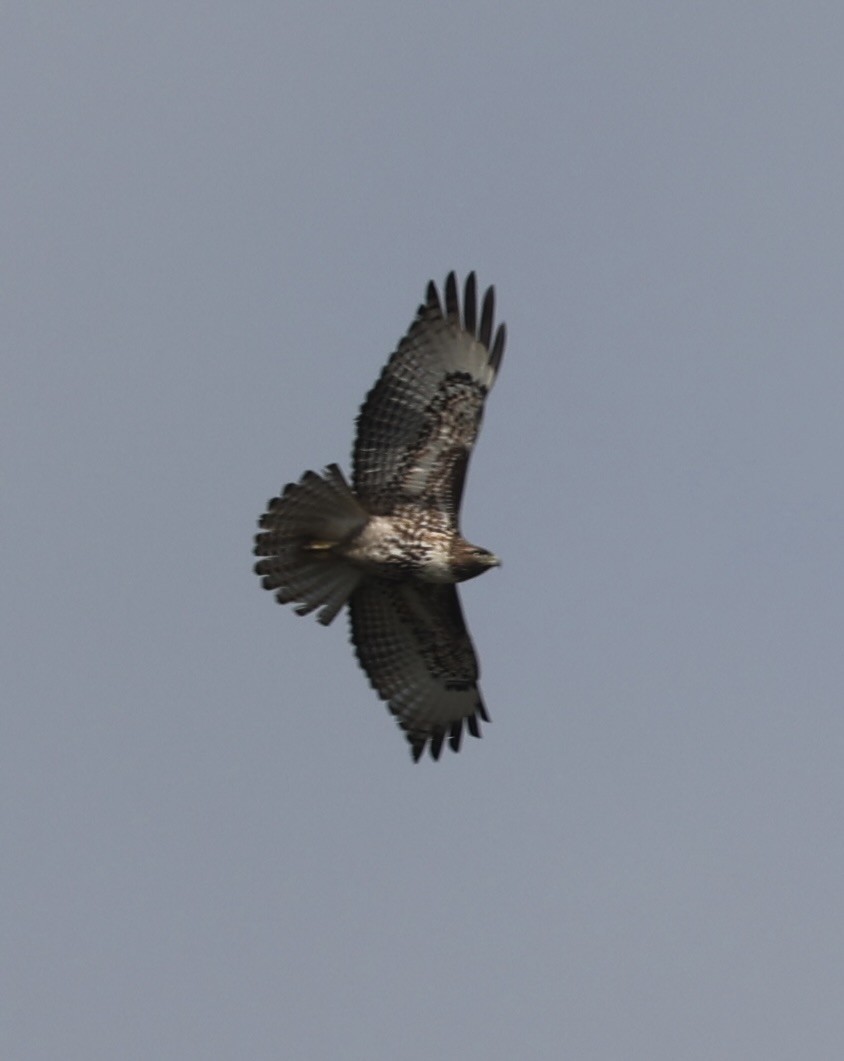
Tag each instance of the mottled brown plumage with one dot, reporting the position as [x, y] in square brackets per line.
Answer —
[390, 545]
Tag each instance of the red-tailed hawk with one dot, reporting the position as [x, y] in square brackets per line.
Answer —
[390, 545]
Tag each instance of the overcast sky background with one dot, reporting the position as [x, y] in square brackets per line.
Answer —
[217, 222]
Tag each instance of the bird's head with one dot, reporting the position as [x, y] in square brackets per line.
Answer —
[471, 560]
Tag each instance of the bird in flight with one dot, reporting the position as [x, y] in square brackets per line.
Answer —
[389, 546]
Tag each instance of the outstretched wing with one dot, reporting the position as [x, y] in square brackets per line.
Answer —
[411, 640]
[416, 429]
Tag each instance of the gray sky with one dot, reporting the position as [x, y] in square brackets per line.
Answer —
[217, 222]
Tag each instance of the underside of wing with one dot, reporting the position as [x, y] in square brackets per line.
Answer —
[412, 641]
[416, 429]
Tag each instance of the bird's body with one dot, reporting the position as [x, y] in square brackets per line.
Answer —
[390, 546]
[412, 544]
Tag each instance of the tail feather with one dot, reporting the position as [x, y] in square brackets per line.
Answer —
[299, 532]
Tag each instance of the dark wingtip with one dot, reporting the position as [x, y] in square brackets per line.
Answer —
[452, 301]
[470, 304]
[498, 346]
[449, 308]
[487, 315]
[455, 735]
[432, 301]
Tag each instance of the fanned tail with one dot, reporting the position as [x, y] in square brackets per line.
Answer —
[299, 532]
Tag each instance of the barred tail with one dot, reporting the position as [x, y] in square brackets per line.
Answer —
[299, 532]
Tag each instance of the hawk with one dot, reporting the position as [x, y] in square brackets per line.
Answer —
[389, 546]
